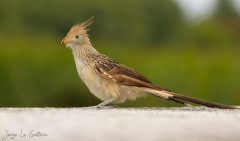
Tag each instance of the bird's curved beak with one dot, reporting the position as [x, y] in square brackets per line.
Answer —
[64, 41]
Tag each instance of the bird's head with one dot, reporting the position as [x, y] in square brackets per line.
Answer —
[77, 35]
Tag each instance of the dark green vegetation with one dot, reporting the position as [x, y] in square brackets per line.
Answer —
[150, 36]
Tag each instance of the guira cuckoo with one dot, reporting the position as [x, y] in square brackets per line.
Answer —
[111, 81]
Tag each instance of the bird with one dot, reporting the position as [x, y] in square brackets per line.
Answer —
[112, 82]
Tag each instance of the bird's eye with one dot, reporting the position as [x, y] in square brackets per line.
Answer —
[76, 36]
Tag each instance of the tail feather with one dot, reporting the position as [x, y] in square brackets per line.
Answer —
[202, 102]
[178, 101]
[170, 96]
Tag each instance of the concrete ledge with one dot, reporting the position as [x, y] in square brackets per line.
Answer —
[119, 124]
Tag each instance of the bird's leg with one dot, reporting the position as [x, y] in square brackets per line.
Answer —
[105, 103]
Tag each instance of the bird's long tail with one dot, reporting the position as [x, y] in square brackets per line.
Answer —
[170, 96]
[201, 102]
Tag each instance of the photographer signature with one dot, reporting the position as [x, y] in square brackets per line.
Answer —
[22, 134]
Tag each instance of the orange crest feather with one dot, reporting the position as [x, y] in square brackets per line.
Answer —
[81, 28]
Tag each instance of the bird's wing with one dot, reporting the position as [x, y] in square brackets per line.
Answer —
[111, 70]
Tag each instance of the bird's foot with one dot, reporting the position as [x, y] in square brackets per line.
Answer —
[90, 107]
[101, 107]
[106, 107]
[106, 103]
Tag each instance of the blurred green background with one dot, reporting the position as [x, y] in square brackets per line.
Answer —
[198, 56]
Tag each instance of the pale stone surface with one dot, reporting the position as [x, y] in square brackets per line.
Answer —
[120, 124]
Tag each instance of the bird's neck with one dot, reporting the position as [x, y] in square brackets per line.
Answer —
[85, 53]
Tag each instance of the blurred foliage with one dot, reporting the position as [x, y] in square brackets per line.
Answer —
[137, 21]
[35, 70]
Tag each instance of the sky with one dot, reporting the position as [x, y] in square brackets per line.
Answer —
[201, 8]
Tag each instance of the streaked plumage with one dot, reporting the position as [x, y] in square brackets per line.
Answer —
[113, 82]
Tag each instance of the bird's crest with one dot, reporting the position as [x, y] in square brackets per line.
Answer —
[81, 28]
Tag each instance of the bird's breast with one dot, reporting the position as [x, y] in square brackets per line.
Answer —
[105, 89]
[101, 88]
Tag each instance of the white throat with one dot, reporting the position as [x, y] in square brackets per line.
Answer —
[84, 53]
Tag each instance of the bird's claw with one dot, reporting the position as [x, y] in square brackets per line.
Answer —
[106, 107]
